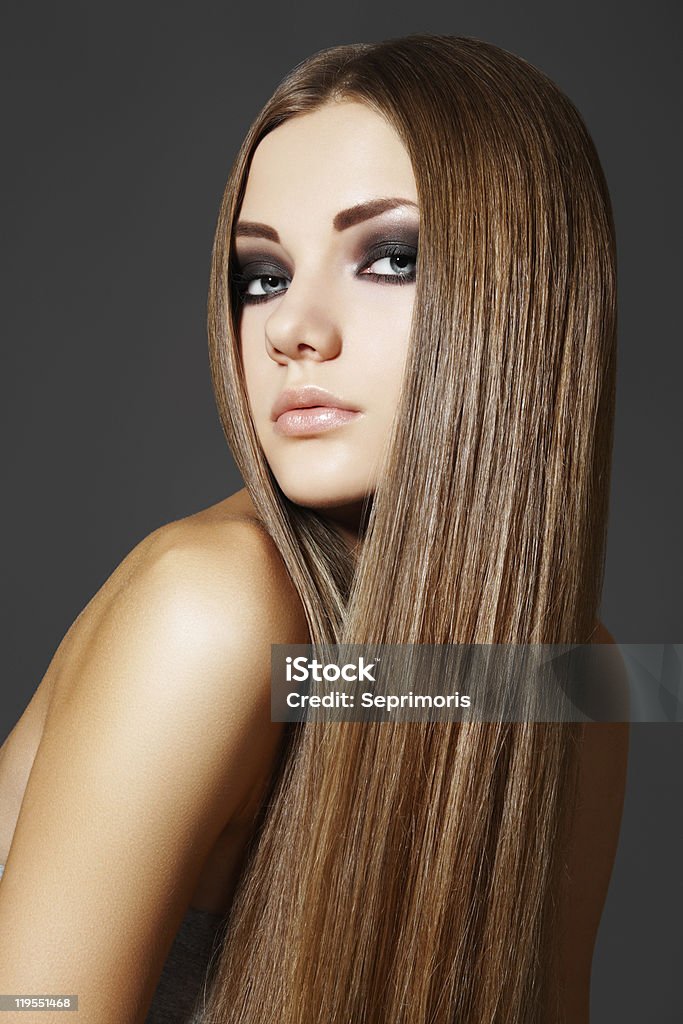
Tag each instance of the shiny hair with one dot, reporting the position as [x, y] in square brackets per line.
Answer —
[408, 872]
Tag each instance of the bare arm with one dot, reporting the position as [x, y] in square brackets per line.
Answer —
[19, 748]
[156, 728]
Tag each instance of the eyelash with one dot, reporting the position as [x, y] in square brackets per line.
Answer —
[242, 281]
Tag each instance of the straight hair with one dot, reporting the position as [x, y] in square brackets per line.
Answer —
[407, 873]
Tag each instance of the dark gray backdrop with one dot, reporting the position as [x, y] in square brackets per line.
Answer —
[118, 129]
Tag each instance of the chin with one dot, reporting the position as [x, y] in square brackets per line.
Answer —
[320, 490]
[312, 497]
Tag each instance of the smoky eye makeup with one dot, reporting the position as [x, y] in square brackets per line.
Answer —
[390, 242]
[386, 235]
[256, 261]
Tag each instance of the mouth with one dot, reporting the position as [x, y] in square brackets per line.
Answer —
[309, 409]
[313, 420]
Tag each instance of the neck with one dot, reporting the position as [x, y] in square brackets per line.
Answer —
[349, 522]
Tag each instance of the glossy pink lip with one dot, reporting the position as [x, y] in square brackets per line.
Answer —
[314, 420]
[305, 397]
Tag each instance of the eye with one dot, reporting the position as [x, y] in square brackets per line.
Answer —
[258, 284]
[395, 263]
[398, 264]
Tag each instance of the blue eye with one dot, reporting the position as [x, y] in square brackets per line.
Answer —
[392, 255]
[244, 283]
[260, 276]
[256, 283]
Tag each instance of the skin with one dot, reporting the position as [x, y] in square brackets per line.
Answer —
[323, 319]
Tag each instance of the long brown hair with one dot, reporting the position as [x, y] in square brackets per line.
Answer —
[408, 872]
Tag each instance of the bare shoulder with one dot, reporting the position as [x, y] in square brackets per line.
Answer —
[593, 843]
[158, 724]
[221, 562]
[194, 607]
[216, 565]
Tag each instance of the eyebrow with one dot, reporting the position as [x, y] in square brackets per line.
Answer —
[344, 219]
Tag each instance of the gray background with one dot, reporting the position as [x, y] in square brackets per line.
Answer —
[119, 126]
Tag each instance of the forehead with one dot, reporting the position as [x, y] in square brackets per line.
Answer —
[335, 156]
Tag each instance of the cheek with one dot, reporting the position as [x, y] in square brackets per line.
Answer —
[380, 335]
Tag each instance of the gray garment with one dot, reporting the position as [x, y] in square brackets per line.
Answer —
[180, 993]
[185, 970]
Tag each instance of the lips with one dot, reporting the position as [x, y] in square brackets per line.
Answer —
[311, 422]
[307, 397]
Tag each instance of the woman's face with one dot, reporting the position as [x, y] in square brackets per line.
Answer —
[326, 274]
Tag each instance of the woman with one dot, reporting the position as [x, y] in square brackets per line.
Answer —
[379, 872]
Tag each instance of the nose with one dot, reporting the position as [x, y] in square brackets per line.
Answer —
[303, 327]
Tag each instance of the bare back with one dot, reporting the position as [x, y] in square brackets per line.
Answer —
[202, 803]
[216, 885]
